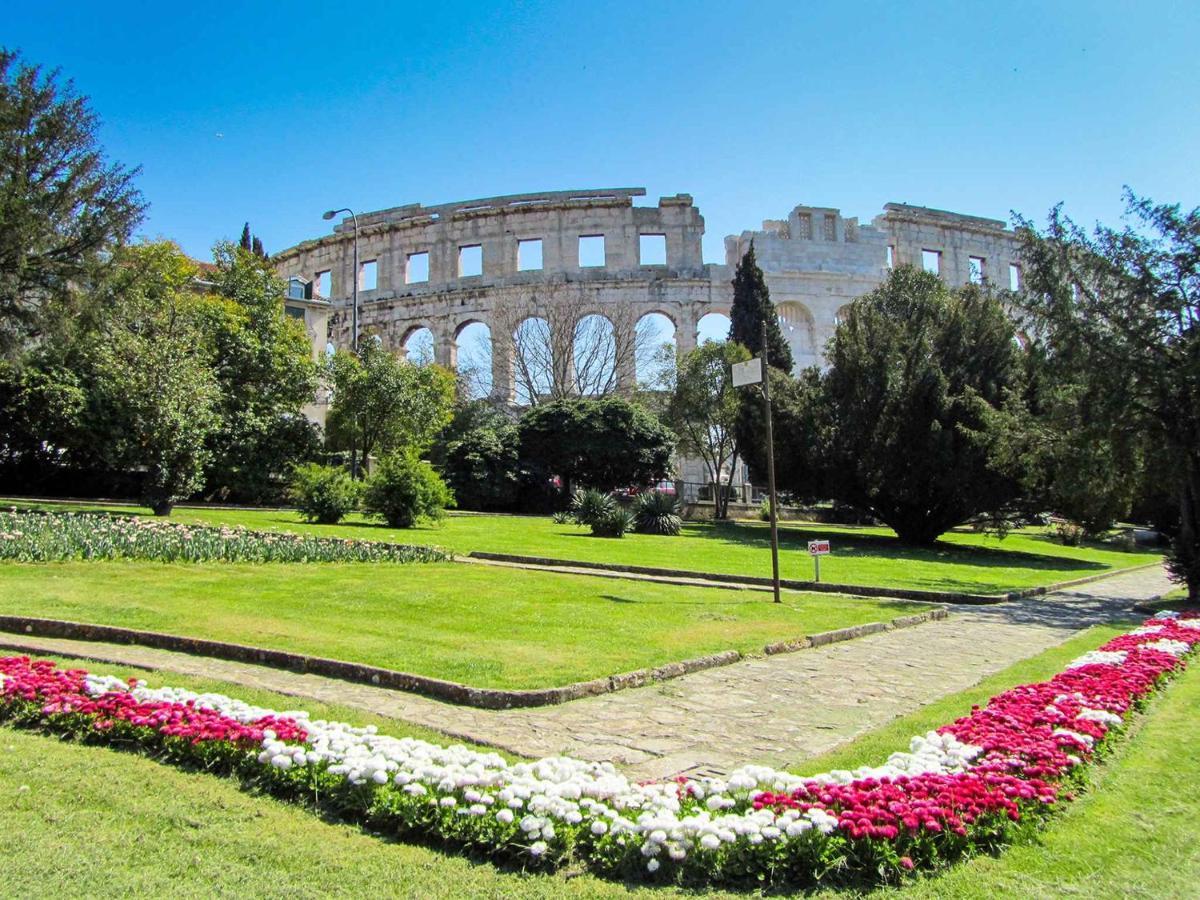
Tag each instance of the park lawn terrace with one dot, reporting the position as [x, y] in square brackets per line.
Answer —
[485, 626]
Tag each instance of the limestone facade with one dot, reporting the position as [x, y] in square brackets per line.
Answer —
[449, 266]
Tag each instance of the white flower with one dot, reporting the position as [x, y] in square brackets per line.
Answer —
[599, 827]
[652, 866]
[710, 842]
[538, 848]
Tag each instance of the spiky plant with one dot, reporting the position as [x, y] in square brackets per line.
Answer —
[589, 506]
[656, 513]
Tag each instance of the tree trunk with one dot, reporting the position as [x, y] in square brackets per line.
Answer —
[1185, 555]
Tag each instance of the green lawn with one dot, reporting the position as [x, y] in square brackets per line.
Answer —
[90, 821]
[962, 561]
[481, 625]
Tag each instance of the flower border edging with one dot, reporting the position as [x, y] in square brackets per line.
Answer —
[440, 689]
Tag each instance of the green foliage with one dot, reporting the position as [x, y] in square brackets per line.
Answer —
[382, 403]
[561, 517]
[589, 506]
[920, 419]
[656, 513]
[614, 523]
[54, 537]
[62, 204]
[324, 494]
[477, 454]
[153, 396]
[1119, 311]
[404, 489]
[704, 410]
[606, 444]
[752, 307]
[264, 364]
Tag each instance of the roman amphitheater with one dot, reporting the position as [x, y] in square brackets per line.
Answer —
[488, 267]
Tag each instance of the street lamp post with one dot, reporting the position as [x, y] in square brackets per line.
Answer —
[354, 318]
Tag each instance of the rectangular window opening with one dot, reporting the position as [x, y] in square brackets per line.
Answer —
[591, 250]
[417, 269]
[975, 269]
[368, 275]
[323, 284]
[830, 228]
[891, 257]
[931, 261]
[804, 226]
[470, 260]
[1014, 277]
[652, 249]
[529, 255]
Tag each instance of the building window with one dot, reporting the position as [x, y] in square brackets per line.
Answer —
[417, 269]
[975, 272]
[529, 255]
[368, 275]
[830, 228]
[652, 249]
[591, 250]
[470, 261]
[804, 223]
[323, 284]
[295, 312]
[891, 257]
[1014, 277]
[931, 261]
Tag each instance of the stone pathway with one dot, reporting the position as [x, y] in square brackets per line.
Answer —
[776, 710]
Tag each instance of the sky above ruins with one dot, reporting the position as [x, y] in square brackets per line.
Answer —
[248, 112]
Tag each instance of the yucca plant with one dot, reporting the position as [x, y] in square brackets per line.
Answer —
[656, 513]
[589, 506]
[561, 517]
[614, 523]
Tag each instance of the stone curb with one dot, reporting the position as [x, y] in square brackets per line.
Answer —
[450, 691]
[854, 590]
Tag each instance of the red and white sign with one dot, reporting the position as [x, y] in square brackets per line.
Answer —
[818, 548]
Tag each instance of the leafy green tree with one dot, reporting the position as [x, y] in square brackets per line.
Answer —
[920, 419]
[63, 206]
[324, 494]
[605, 444]
[704, 409]
[382, 403]
[153, 396]
[751, 307]
[264, 363]
[1119, 310]
[478, 455]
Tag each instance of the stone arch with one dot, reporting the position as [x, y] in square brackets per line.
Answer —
[474, 353]
[596, 355]
[418, 344]
[657, 345]
[535, 364]
[712, 326]
[798, 326]
[840, 316]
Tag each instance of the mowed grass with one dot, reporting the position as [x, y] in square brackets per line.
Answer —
[86, 821]
[962, 560]
[481, 625]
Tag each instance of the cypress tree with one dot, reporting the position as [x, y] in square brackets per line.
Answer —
[257, 248]
[751, 307]
[244, 243]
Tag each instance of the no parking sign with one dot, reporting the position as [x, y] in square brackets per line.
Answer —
[817, 549]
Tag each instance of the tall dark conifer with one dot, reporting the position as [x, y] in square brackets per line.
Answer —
[751, 307]
[244, 243]
[257, 248]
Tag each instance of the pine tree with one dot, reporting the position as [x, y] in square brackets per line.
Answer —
[244, 243]
[751, 307]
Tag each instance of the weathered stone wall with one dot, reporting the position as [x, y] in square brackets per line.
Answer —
[815, 261]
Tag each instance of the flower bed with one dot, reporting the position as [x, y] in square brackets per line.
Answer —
[970, 785]
[51, 537]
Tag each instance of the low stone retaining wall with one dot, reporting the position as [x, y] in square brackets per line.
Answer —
[450, 691]
[854, 590]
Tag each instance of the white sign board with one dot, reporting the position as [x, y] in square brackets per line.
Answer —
[748, 372]
[818, 548]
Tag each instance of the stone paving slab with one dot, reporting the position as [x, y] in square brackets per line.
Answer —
[776, 710]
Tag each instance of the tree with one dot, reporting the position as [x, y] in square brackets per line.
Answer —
[381, 403]
[704, 411]
[244, 243]
[605, 444]
[251, 244]
[264, 363]
[478, 455]
[752, 307]
[153, 395]
[920, 419]
[63, 206]
[561, 347]
[1119, 311]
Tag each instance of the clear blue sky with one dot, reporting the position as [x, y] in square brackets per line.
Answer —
[273, 113]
